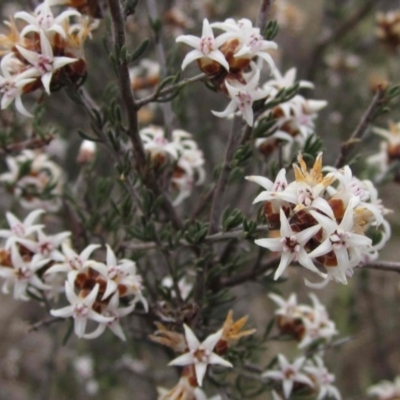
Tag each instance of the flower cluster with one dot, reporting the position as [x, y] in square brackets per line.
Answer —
[34, 263]
[226, 60]
[195, 356]
[38, 55]
[34, 180]
[387, 30]
[386, 390]
[306, 376]
[182, 150]
[25, 254]
[294, 119]
[389, 151]
[97, 290]
[304, 323]
[326, 218]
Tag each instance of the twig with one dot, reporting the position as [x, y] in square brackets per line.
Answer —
[169, 89]
[263, 14]
[361, 129]
[33, 143]
[165, 107]
[345, 27]
[217, 237]
[384, 266]
[217, 203]
[131, 111]
[250, 274]
[125, 85]
[44, 322]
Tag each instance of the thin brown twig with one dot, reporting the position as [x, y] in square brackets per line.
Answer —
[32, 143]
[166, 107]
[131, 111]
[169, 89]
[345, 27]
[392, 266]
[218, 196]
[250, 274]
[263, 14]
[217, 237]
[44, 322]
[361, 128]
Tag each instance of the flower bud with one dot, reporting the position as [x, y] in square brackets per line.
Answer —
[87, 152]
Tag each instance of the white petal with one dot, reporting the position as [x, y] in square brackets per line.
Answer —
[261, 180]
[190, 57]
[229, 110]
[216, 359]
[46, 79]
[201, 369]
[80, 326]
[217, 56]
[111, 259]
[287, 387]
[286, 259]
[191, 338]
[184, 359]
[273, 244]
[211, 341]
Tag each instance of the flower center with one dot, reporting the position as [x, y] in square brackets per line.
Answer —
[291, 245]
[44, 64]
[244, 99]
[18, 230]
[339, 239]
[80, 311]
[45, 21]
[255, 42]
[207, 45]
[201, 355]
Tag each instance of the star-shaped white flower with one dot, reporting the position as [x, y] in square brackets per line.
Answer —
[289, 374]
[68, 260]
[120, 272]
[287, 308]
[20, 229]
[22, 274]
[200, 354]
[80, 309]
[243, 97]
[43, 20]
[12, 85]
[323, 379]
[340, 239]
[46, 246]
[205, 47]
[291, 245]
[44, 63]
[115, 312]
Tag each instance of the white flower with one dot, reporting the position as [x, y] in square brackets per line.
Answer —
[243, 97]
[22, 274]
[317, 327]
[342, 241]
[12, 85]
[385, 390]
[46, 246]
[289, 374]
[20, 229]
[287, 308]
[205, 47]
[184, 287]
[323, 379]
[112, 311]
[252, 44]
[43, 20]
[155, 143]
[200, 354]
[69, 260]
[291, 245]
[116, 273]
[44, 63]
[80, 309]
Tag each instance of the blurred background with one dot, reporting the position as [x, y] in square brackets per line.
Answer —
[345, 68]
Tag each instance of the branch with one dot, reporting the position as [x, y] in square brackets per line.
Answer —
[170, 89]
[165, 107]
[263, 14]
[217, 203]
[345, 27]
[32, 143]
[361, 129]
[44, 322]
[131, 111]
[392, 266]
[251, 274]
[217, 237]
